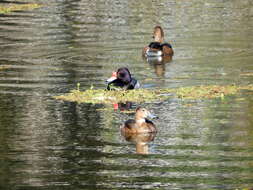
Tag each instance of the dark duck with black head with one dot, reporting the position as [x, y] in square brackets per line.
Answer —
[122, 80]
[158, 47]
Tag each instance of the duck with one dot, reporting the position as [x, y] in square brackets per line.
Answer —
[140, 124]
[122, 80]
[158, 47]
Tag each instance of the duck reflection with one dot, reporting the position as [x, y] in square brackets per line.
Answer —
[123, 106]
[140, 130]
[159, 64]
[141, 141]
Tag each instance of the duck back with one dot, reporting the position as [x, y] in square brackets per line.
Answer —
[129, 126]
[155, 45]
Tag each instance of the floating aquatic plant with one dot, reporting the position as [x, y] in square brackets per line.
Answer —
[247, 74]
[97, 96]
[4, 9]
[208, 91]
[2, 67]
[101, 96]
[200, 92]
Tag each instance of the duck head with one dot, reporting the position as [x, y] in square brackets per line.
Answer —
[122, 74]
[158, 34]
[142, 114]
[113, 77]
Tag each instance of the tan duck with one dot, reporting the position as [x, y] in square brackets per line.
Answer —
[158, 47]
[140, 124]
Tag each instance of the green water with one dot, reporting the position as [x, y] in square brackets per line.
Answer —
[49, 144]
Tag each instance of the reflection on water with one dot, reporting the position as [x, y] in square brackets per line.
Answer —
[159, 64]
[141, 141]
[203, 144]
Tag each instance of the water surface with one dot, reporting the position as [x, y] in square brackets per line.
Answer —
[49, 144]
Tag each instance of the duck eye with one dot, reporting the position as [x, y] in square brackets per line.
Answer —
[122, 75]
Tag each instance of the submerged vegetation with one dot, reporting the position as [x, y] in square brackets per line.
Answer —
[4, 9]
[101, 96]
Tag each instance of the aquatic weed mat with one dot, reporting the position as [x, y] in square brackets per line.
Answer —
[101, 96]
[10, 7]
[4, 67]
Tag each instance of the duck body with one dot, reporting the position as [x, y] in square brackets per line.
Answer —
[141, 140]
[122, 80]
[131, 126]
[140, 124]
[158, 47]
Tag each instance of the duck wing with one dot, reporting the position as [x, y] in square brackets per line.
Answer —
[167, 49]
[166, 44]
[132, 85]
[130, 123]
[151, 126]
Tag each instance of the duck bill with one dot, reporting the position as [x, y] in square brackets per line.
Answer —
[111, 79]
[151, 116]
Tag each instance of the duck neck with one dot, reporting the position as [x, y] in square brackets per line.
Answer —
[159, 39]
[140, 120]
[128, 81]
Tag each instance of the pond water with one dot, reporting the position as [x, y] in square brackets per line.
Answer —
[51, 144]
